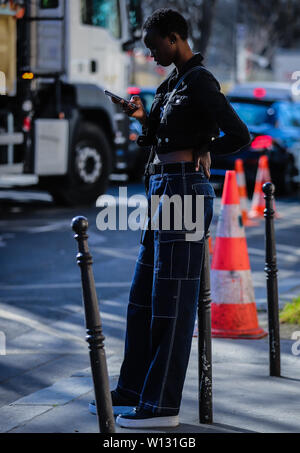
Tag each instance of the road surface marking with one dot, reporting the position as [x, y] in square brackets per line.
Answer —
[38, 326]
[116, 253]
[284, 256]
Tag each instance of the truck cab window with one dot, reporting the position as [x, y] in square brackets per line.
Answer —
[102, 13]
[49, 4]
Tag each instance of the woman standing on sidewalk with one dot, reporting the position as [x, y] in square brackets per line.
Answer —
[165, 288]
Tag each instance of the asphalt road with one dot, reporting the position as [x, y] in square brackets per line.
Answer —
[41, 315]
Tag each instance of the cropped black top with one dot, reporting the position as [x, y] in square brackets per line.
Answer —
[194, 116]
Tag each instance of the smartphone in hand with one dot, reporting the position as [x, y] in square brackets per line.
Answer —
[118, 98]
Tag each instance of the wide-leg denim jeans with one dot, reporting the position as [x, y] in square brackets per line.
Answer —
[163, 302]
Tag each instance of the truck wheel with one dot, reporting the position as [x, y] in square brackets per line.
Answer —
[90, 167]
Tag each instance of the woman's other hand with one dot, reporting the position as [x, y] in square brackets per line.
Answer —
[202, 157]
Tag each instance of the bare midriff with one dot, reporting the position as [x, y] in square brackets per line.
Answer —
[184, 155]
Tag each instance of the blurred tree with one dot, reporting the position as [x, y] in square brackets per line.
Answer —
[198, 13]
[270, 24]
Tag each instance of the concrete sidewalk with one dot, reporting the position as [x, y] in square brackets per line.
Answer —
[245, 398]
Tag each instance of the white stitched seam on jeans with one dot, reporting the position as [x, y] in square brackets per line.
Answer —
[188, 265]
[128, 390]
[171, 346]
[144, 264]
[168, 181]
[184, 185]
[159, 407]
[138, 305]
[171, 260]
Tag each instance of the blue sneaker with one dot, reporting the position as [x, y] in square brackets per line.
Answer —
[141, 418]
[120, 404]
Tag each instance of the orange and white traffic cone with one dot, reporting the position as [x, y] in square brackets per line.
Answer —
[241, 181]
[258, 202]
[233, 302]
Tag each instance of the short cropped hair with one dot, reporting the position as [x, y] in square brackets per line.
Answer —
[166, 21]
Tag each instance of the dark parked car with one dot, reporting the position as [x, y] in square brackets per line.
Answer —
[272, 115]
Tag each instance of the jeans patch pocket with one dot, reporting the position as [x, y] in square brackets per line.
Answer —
[207, 190]
[178, 258]
[204, 188]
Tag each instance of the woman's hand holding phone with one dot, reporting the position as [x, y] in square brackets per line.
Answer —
[139, 113]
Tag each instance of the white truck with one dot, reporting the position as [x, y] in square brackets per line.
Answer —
[56, 59]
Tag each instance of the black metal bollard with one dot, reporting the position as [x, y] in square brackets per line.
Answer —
[272, 287]
[204, 342]
[94, 337]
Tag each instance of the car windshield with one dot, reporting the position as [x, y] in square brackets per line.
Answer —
[147, 100]
[289, 114]
[253, 114]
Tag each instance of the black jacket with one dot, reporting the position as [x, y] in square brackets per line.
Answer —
[195, 115]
